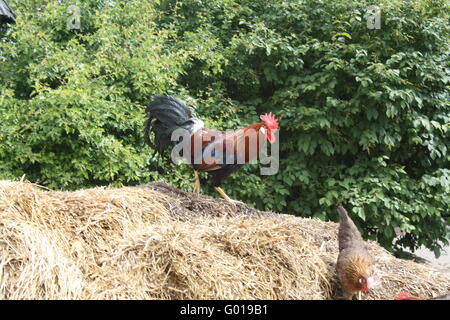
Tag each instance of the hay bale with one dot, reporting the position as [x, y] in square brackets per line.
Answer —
[158, 242]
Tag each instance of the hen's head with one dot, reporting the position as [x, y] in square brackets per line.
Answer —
[368, 283]
[270, 126]
[361, 274]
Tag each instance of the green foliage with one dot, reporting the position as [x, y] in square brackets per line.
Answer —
[364, 114]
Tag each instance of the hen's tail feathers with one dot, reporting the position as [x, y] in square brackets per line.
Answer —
[348, 234]
[165, 114]
[343, 215]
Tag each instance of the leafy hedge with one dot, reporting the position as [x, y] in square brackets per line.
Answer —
[364, 113]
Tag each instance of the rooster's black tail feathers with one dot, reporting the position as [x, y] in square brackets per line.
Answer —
[164, 115]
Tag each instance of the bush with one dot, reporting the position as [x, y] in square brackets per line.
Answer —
[364, 113]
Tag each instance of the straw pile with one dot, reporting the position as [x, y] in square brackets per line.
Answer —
[157, 242]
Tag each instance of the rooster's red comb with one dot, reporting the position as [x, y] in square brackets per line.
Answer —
[270, 120]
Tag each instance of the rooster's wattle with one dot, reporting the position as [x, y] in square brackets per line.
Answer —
[355, 265]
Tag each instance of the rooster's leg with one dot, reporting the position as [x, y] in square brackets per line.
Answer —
[223, 194]
[359, 295]
[197, 182]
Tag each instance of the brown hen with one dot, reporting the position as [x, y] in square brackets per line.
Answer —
[355, 263]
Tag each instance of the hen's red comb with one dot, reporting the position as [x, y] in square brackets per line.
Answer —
[402, 296]
[270, 120]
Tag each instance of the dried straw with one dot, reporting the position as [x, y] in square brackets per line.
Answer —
[157, 242]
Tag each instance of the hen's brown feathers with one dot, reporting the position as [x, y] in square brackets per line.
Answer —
[354, 260]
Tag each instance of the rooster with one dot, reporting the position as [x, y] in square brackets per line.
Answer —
[165, 114]
[355, 265]
[6, 13]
